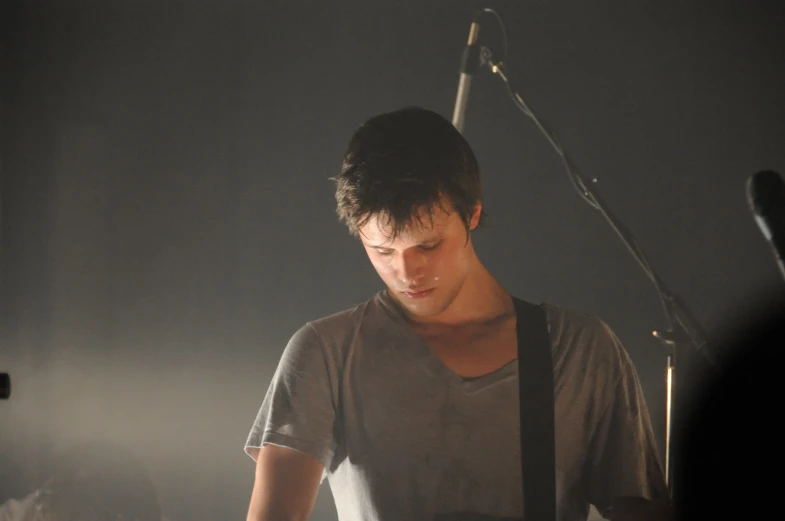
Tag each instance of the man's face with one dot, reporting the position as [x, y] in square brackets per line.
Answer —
[424, 268]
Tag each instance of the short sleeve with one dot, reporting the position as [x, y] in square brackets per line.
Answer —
[623, 460]
[299, 409]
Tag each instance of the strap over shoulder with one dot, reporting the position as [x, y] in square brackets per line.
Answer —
[535, 376]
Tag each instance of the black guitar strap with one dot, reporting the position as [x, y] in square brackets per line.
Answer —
[535, 374]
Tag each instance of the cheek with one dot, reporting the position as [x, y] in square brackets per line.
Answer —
[439, 265]
[382, 266]
[451, 260]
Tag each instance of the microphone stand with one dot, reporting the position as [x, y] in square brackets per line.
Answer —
[689, 331]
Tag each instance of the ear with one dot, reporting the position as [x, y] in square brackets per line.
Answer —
[475, 219]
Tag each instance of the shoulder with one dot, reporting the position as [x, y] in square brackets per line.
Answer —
[336, 333]
[571, 325]
[346, 322]
[582, 340]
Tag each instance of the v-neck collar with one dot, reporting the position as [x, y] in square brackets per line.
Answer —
[431, 363]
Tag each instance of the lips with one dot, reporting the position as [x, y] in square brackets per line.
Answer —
[418, 294]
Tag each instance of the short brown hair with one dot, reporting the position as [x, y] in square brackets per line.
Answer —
[401, 164]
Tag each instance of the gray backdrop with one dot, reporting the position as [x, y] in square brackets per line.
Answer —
[167, 222]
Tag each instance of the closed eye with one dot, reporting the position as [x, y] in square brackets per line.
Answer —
[423, 247]
[430, 247]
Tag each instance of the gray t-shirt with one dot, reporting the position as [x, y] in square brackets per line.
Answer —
[403, 437]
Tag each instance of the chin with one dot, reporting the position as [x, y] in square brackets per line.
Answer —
[423, 308]
[422, 311]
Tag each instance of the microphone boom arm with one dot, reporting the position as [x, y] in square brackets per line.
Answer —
[674, 307]
[690, 331]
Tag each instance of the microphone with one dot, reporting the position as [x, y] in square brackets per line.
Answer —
[766, 197]
[470, 63]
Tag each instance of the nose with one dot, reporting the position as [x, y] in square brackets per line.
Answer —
[411, 268]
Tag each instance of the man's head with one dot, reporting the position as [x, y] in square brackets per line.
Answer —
[410, 190]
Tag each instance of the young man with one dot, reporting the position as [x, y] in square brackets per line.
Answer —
[408, 403]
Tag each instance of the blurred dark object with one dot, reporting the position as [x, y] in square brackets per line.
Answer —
[99, 481]
[729, 435]
[94, 481]
[5, 386]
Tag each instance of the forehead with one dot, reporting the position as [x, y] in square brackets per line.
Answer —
[380, 229]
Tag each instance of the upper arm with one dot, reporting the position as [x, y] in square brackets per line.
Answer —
[300, 407]
[293, 438]
[285, 486]
[623, 459]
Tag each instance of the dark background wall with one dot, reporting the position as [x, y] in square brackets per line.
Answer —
[167, 222]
